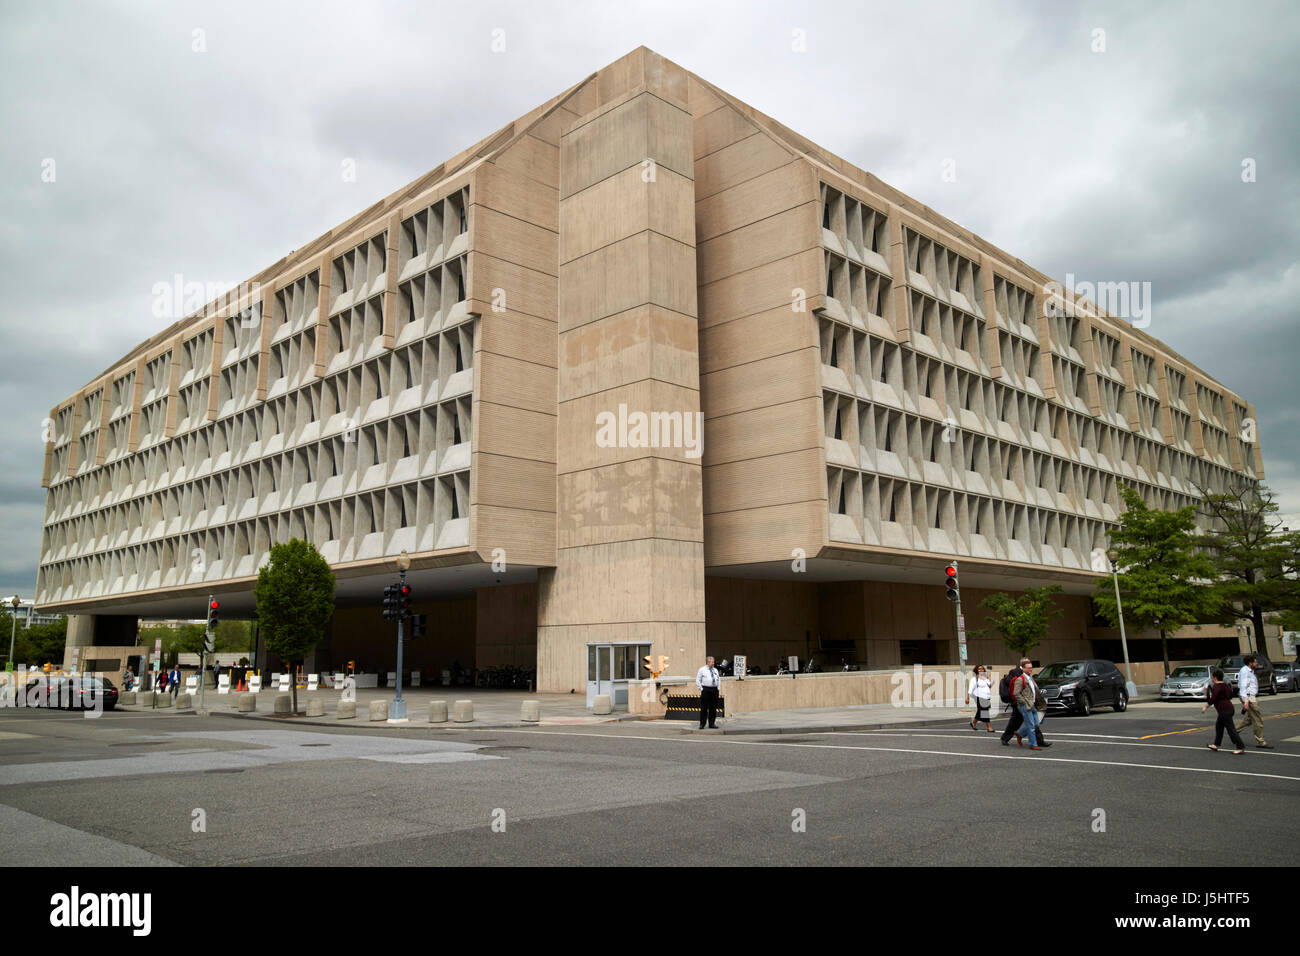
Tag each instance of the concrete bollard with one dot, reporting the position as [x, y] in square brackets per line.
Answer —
[162, 700]
[247, 703]
[463, 712]
[126, 698]
[438, 712]
[315, 708]
[531, 711]
[347, 708]
[379, 710]
[602, 705]
[283, 704]
[184, 701]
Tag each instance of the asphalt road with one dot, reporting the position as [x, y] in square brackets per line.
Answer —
[1138, 788]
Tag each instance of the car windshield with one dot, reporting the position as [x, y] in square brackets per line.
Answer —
[1069, 669]
[1188, 672]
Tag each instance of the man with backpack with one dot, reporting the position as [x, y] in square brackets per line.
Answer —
[1006, 694]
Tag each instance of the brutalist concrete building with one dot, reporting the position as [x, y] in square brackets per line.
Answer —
[645, 371]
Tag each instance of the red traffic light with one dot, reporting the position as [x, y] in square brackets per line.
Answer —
[215, 605]
[406, 590]
[950, 571]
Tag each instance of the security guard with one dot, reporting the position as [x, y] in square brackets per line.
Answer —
[707, 680]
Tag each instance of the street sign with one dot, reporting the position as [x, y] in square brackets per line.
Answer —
[793, 664]
[1288, 642]
[739, 666]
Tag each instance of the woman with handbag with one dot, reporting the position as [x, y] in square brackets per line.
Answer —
[981, 688]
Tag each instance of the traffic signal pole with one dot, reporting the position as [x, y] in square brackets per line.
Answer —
[954, 595]
[397, 709]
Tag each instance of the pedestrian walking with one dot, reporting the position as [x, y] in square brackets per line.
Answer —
[1025, 693]
[1248, 688]
[174, 680]
[981, 688]
[1221, 700]
[1016, 720]
[706, 679]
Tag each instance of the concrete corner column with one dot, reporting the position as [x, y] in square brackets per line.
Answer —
[629, 500]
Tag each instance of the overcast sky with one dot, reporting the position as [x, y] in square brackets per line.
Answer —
[1105, 141]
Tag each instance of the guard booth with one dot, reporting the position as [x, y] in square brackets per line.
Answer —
[610, 667]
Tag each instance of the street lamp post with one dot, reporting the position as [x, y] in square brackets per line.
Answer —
[1129, 686]
[397, 709]
[13, 631]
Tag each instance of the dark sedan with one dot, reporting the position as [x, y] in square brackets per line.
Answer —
[72, 693]
[1287, 676]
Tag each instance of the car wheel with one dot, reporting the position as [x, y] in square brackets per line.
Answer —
[1085, 704]
[1121, 701]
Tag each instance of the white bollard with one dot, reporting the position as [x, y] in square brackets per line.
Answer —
[247, 703]
[379, 710]
[602, 705]
[315, 708]
[438, 712]
[531, 711]
[463, 712]
[347, 708]
[283, 704]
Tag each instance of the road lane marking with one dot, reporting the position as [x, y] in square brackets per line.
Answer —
[1130, 742]
[1037, 758]
[1193, 729]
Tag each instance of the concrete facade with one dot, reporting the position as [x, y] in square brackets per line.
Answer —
[500, 370]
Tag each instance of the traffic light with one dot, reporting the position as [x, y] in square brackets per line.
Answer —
[404, 603]
[214, 607]
[417, 625]
[390, 603]
[954, 589]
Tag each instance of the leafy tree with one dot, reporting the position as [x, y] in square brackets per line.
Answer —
[1253, 556]
[233, 635]
[295, 599]
[1164, 579]
[1022, 621]
[37, 644]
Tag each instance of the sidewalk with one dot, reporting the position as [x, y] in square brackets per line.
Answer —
[501, 709]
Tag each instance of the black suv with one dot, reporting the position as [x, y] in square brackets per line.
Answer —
[1079, 686]
[1231, 667]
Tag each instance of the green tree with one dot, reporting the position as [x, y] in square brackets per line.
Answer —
[1022, 621]
[1254, 558]
[1165, 580]
[37, 644]
[295, 599]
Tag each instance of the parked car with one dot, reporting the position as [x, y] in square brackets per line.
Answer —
[71, 693]
[1231, 666]
[1188, 682]
[1081, 685]
[87, 692]
[1287, 675]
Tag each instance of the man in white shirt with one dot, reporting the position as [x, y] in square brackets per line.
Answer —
[707, 680]
[1248, 688]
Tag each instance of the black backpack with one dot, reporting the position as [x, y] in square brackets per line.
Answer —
[1004, 686]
